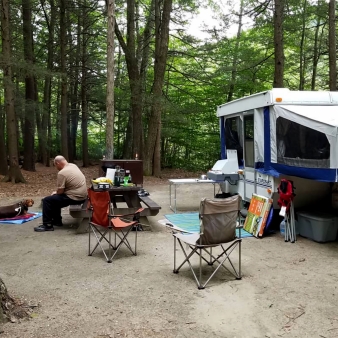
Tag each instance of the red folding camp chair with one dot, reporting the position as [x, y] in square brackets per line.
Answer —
[102, 223]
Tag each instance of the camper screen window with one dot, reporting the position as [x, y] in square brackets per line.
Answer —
[233, 139]
[249, 141]
[297, 144]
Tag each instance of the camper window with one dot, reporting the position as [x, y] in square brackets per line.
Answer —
[299, 145]
[249, 140]
[233, 137]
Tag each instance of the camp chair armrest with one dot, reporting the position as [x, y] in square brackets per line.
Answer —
[131, 214]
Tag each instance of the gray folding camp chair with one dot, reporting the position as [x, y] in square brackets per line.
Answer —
[218, 221]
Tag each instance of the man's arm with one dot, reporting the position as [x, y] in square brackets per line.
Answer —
[59, 191]
[61, 181]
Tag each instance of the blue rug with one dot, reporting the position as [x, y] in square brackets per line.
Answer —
[23, 220]
[189, 222]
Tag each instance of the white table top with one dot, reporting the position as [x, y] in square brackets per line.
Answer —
[190, 181]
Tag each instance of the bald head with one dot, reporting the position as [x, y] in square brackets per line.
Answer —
[60, 162]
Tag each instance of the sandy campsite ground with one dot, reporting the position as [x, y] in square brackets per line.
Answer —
[287, 290]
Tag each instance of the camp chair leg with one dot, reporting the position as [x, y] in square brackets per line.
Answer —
[221, 264]
[109, 249]
[210, 261]
[89, 235]
[135, 226]
[239, 260]
[220, 259]
[231, 248]
[175, 271]
[124, 240]
[199, 285]
[210, 256]
[187, 257]
[99, 240]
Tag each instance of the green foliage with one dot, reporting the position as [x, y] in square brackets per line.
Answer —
[198, 77]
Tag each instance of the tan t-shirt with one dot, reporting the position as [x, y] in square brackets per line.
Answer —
[73, 181]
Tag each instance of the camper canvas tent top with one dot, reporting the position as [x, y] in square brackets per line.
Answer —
[282, 133]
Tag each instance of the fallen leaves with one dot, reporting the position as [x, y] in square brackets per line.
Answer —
[43, 181]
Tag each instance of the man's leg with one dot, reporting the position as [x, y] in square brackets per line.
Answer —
[64, 202]
[51, 205]
[51, 211]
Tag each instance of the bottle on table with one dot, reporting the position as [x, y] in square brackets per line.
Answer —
[126, 177]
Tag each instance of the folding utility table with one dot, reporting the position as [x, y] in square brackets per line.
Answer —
[176, 182]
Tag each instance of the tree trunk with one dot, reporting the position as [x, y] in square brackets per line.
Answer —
[332, 46]
[11, 308]
[162, 20]
[74, 87]
[157, 152]
[302, 57]
[64, 84]
[3, 151]
[315, 58]
[14, 174]
[279, 44]
[134, 58]
[30, 95]
[235, 57]
[3, 299]
[84, 102]
[110, 81]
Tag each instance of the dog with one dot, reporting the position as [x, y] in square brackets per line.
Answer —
[16, 209]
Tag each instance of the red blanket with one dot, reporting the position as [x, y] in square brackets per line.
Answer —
[26, 216]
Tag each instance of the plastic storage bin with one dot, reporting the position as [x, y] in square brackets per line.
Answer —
[318, 226]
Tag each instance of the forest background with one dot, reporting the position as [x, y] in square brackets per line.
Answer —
[88, 78]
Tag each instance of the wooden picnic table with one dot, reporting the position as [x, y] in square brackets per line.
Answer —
[122, 194]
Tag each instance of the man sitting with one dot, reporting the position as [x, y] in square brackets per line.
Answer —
[71, 189]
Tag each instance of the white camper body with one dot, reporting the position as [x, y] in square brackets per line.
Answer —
[282, 134]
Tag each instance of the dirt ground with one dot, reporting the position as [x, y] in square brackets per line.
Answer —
[287, 290]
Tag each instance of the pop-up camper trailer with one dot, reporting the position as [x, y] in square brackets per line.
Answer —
[282, 134]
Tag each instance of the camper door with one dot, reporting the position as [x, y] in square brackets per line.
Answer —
[255, 182]
[249, 155]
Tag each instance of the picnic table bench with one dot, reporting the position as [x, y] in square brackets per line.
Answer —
[151, 208]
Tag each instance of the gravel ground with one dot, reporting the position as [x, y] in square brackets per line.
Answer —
[287, 290]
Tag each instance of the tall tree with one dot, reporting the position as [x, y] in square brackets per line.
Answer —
[64, 82]
[332, 46]
[110, 80]
[14, 174]
[279, 43]
[84, 75]
[74, 71]
[30, 87]
[3, 151]
[152, 158]
[316, 46]
[235, 57]
[136, 50]
[45, 130]
[302, 58]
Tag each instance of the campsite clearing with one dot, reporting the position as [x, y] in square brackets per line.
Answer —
[287, 290]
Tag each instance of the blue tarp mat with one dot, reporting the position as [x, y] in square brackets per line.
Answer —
[190, 222]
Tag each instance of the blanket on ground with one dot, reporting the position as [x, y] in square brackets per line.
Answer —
[189, 222]
[21, 218]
